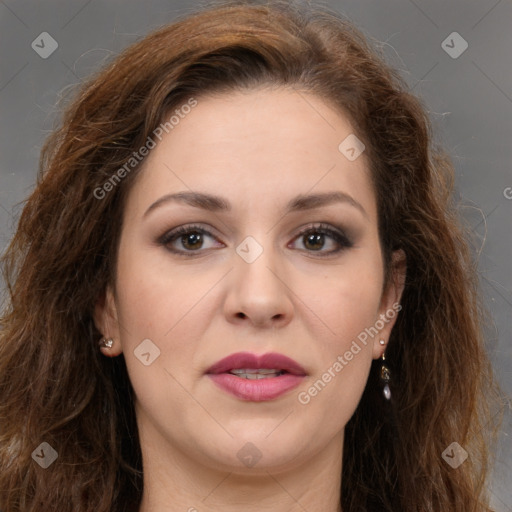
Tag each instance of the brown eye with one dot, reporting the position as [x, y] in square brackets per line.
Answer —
[323, 240]
[193, 240]
[188, 239]
[314, 242]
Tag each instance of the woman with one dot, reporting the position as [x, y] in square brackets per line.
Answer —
[240, 282]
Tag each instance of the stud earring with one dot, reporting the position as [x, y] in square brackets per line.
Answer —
[385, 377]
[382, 342]
[106, 343]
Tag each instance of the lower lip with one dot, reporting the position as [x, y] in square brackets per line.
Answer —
[256, 390]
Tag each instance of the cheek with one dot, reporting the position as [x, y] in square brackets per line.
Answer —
[161, 313]
[348, 309]
[347, 301]
[155, 298]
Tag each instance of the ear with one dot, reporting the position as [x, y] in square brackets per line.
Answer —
[390, 302]
[105, 320]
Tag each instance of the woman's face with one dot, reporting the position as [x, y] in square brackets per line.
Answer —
[284, 259]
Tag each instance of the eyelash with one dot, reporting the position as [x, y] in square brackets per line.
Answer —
[338, 236]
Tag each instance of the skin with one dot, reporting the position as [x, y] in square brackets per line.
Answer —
[257, 149]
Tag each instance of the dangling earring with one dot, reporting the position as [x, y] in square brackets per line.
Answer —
[385, 376]
[106, 343]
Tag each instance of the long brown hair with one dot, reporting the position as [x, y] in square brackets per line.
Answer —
[56, 387]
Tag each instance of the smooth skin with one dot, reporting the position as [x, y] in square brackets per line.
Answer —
[307, 296]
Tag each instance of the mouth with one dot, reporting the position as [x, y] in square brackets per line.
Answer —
[256, 378]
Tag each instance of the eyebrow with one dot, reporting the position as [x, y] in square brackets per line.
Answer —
[215, 203]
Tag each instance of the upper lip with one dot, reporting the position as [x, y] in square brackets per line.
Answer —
[247, 360]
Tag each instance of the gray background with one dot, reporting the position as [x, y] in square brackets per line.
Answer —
[469, 99]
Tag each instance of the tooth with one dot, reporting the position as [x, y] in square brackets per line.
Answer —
[262, 371]
[256, 376]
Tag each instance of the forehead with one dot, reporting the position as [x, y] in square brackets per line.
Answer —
[257, 147]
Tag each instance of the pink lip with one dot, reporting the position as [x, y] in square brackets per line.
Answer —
[261, 389]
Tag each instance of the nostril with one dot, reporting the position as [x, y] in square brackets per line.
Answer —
[241, 315]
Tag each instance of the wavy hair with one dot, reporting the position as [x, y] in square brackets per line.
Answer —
[56, 387]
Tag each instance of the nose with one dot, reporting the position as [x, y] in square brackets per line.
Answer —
[258, 294]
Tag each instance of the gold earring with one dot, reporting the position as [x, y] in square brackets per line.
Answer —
[106, 343]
